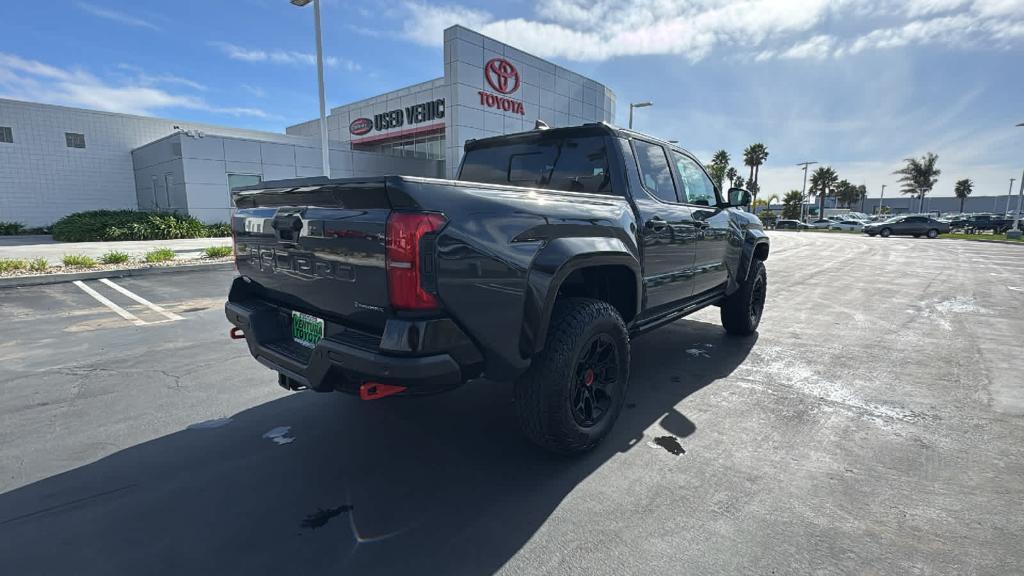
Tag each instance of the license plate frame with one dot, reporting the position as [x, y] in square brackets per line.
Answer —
[307, 330]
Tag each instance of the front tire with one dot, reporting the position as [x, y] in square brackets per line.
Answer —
[933, 233]
[741, 311]
[885, 233]
[569, 398]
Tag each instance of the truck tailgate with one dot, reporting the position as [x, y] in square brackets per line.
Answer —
[318, 249]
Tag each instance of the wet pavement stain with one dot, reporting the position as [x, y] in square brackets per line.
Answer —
[323, 516]
[670, 443]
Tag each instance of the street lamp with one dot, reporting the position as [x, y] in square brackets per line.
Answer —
[1020, 195]
[636, 105]
[324, 150]
[881, 200]
[803, 195]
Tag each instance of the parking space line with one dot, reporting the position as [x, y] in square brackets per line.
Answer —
[141, 300]
[103, 300]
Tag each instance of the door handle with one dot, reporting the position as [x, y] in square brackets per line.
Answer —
[701, 225]
[655, 224]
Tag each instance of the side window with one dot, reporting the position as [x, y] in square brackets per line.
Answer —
[654, 170]
[697, 187]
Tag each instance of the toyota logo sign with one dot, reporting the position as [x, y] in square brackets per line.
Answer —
[360, 126]
[501, 75]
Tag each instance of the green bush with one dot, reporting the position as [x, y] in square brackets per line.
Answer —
[114, 257]
[78, 260]
[159, 255]
[12, 228]
[218, 251]
[9, 265]
[100, 225]
[38, 265]
[218, 230]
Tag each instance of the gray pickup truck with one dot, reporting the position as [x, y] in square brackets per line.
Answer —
[537, 265]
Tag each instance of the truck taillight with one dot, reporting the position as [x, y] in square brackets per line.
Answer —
[405, 266]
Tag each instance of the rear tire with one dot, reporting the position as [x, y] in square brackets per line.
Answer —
[569, 398]
[872, 234]
[741, 311]
[933, 233]
[885, 233]
[917, 235]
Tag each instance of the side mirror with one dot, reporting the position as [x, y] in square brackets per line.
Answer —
[739, 197]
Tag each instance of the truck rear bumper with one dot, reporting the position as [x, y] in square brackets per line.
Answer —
[345, 359]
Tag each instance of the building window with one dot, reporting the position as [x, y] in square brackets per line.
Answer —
[74, 140]
[430, 147]
[6, 136]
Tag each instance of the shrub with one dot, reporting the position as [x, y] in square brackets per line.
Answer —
[38, 265]
[12, 228]
[78, 260]
[218, 251]
[159, 255]
[99, 225]
[9, 265]
[218, 230]
[114, 257]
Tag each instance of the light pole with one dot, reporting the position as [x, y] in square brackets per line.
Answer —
[636, 105]
[1020, 195]
[803, 195]
[1009, 194]
[881, 200]
[324, 150]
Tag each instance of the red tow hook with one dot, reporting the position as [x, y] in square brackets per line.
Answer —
[375, 391]
[236, 333]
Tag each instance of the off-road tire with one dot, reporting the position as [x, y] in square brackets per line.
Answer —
[544, 394]
[741, 311]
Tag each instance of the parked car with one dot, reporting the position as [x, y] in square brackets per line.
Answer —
[855, 225]
[790, 225]
[552, 249]
[915, 226]
[822, 223]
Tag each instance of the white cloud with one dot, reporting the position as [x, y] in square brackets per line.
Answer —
[141, 77]
[116, 16]
[762, 29]
[24, 79]
[236, 52]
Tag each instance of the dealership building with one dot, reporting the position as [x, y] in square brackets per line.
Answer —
[56, 160]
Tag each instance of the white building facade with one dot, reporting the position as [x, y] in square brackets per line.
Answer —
[56, 160]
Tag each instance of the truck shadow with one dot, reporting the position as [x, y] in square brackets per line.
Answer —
[438, 485]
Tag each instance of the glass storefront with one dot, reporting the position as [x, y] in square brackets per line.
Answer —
[430, 147]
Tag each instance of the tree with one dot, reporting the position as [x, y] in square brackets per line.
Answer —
[919, 176]
[738, 182]
[753, 188]
[962, 190]
[862, 194]
[848, 194]
[731, 174]
[718, 166]
[791, 203]
[823, 182]
[754, 156]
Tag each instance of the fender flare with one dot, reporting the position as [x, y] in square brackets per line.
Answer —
[549, 269]
[752, 241]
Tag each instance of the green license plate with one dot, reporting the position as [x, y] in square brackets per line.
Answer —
[307, 330]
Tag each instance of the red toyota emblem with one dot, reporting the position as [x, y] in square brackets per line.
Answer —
[502, 75]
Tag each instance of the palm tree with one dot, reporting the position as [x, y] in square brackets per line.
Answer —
[754, 156]
[791, 204]
[718, 166]
[731, 174]
[962, 190]
[847, 193]
[738, 182]
[919, 175]
[823, 181]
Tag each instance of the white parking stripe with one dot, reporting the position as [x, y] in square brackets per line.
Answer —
[103, 300]
[141, 300]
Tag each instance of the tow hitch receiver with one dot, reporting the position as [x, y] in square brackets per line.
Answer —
[375, 391]
[236, 333]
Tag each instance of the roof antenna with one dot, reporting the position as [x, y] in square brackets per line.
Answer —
[540, 125]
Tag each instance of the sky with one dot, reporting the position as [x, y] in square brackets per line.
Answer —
[857, 85]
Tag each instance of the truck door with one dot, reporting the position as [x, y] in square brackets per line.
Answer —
[666, 229]
[712, 224]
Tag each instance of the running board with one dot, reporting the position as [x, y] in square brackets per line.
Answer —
[670, 317]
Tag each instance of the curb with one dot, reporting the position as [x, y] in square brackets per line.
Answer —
[43, 279]
[1009, 242]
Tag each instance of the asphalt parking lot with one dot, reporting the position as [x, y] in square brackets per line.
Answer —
[873, 426]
